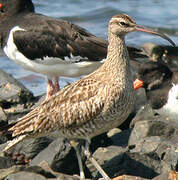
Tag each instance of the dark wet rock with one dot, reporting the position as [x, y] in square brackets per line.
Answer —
[157, 139]
[60, 176]
[3, 138]
[100, 141]
[157, 126]
[2, 146]
[6, 162]
[141, 99]
[3, 122]
[145, 112]
[151, 151]
[11, 170]
[3, 117]
[52, 150]
[30, 147]
[34, 172]
[61, 154]
[103, 155]
[12, 91]
[14, 113]
[133, 164]
[58, 155]
[121, 138]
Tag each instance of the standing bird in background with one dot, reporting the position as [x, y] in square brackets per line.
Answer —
[92, 105]
[161, 86]
[52, 47]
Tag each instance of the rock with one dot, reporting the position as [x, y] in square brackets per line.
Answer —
[103, 155]
[2, 146]
[167, 152]
[152, 150]
[145, 112]
[11, 170]
[12, 91]
[122, 138]
[141, 98]
[58, 175]
[158, 140]
[3, 117]
[33, 172]
[157, 126]
[172, 175]
[3, 122]
[31, 147]
[6, 162]
[49, 153]
[25, 175]
[61, 154]
[101, 140]
[113, 132]
[128, 163]
[127, 177]
[58, 155]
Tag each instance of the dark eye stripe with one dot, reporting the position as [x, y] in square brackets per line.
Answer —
[124, 24]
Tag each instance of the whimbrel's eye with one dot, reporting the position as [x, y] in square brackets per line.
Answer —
[124, 24]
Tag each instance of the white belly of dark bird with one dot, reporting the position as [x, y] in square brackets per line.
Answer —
[73, 66]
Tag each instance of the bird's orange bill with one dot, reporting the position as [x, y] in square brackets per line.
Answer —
[151, 31]
[137, 84]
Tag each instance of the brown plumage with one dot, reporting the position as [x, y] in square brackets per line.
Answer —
[92, 105]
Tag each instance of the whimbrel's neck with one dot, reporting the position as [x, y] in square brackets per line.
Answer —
[117, 61]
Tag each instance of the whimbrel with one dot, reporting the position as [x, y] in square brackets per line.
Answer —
[52, 47]
[94, 104]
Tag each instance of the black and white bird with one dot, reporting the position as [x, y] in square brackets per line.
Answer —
[45, 45]
[161, 85]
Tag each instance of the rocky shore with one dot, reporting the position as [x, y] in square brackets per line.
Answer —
[144, 147]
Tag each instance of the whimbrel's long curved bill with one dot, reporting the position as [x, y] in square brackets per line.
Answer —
[151, 31]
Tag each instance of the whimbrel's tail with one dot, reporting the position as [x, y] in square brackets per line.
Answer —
[22, 129]
[12, 143]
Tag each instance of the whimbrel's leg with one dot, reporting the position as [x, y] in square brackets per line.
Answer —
[94, 162]
[77, 147]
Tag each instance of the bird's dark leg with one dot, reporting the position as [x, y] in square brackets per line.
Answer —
[77, 147]
[93, 161]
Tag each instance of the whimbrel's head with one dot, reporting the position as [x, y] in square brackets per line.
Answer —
[122, 24]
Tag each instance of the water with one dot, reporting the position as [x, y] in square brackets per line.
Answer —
[94, 16]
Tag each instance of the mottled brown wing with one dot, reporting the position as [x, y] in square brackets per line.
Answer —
[72, 106]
